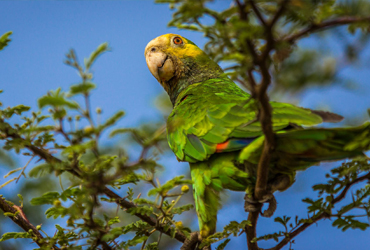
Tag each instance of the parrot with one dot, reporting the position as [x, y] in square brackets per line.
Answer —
[214, 126]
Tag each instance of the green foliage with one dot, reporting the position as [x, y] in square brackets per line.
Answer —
[163, 190]
[4, 39]
[10, 111]
[65, 136]
[95, 54]
[295, 69]
[81, 88]
[332, 192]
[40, 170]
[8, 236]
[46, 198]
[233, 228]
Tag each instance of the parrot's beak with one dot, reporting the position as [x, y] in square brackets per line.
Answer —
[160, 65]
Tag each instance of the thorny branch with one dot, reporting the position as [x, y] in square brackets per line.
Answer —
[20, 219]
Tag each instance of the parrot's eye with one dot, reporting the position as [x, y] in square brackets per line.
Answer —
[177, 41]
[153, 49]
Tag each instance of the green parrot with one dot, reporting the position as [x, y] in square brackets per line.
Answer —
[214, 127]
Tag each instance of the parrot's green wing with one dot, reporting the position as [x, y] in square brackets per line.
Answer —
[217, 116]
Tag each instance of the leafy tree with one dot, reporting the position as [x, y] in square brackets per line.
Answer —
[257, 42]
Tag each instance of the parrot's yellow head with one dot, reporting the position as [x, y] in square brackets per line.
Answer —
[176, 63]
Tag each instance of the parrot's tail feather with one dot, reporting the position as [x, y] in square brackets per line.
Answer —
[328, 116]
[209, 179]
[300, 149]
[207, 199]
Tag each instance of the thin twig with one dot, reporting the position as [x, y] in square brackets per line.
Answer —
[24, 168]
[278, 13]
[258, 13]
[324, 25]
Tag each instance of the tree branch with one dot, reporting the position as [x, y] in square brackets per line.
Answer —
[265, 111]
[250, 231]
[324, 25]
[323, 215]
[6, 129]
[270, 41]
[278, 13]
[258, 13]
[151, 221]
[299, 230]
[21, 220]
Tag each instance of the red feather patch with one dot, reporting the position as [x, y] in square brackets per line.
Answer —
[221, 146]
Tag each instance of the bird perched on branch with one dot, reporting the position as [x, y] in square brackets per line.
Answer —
[214, 126]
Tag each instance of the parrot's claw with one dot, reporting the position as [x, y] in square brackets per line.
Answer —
[271, 209]
[252, 205]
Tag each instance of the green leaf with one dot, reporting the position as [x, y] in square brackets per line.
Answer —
[120, 131]
[70, 193]
[347, 222]
[55, 212]
[143, 210]
[181, 209]
[40, 170]
[112, 120]
[9, 214]
[274, 236]
[47, 198]
[141, 201]
[14, 235]
[114, 221]
[113, 233]
[136, 240]
[79, 148]
[81, 88]
[223, 245]
[21, 199]
[19, 109]
[4, 39]
[94, 55]
[56, 99]
[152, 246]
[135, 227]
[315, 205]
[178, 180]
[56, 102]
[284, 221]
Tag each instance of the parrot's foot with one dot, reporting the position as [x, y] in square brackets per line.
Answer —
[252, 205]
[191, 242]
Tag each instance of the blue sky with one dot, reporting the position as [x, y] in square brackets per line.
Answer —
[43, 31]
